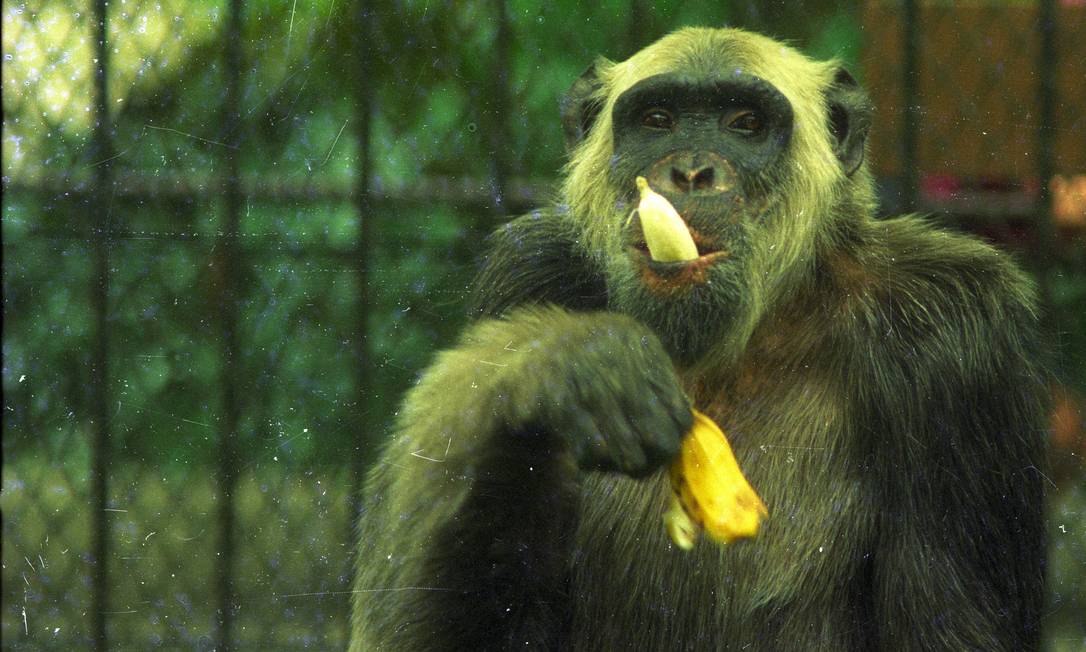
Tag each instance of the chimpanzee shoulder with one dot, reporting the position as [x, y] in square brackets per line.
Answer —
[937, 282]
[536, 259]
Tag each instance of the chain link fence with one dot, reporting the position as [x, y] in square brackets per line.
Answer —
[234, 233]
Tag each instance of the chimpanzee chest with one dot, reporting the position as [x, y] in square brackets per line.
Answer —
[631, 588]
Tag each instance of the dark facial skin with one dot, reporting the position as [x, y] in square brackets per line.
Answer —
[742, 119]
[712, 148]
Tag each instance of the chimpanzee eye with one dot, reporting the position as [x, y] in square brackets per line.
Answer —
[746, 122]
[657, 119]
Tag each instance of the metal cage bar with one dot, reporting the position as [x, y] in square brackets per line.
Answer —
[910, 81]
[99, 385]
[228, 258]
[361, 454]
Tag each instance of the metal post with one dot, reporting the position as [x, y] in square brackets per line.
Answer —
[363, 85]
[228, 259]
[502, 104]
[911, 99]
[99, 389]
[498, 120]
[636, 36]
[1047, 62]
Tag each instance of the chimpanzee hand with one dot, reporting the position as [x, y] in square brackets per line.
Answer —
[603, 383]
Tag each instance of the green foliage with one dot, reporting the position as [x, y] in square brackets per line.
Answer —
[291, 569]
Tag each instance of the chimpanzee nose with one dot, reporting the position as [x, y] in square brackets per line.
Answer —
[692, 173]
[690, 180]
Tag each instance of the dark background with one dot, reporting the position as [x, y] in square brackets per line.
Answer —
[234, 233]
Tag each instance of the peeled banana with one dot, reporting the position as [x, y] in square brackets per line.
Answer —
[666, 234]
[709, 491]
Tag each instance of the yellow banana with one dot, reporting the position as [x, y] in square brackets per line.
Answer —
[666, 234]
[709, 491]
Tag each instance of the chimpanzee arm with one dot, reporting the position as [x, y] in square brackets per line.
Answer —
[465, 537]
[952, 388]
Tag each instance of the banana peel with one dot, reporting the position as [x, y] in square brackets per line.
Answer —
[709, 492]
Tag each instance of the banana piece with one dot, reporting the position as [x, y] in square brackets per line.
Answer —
[666, 234]
[709, 491]
[680, 527]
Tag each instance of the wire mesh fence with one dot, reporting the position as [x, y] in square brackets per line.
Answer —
[234, 232]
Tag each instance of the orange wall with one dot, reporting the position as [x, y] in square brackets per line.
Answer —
[978, 89]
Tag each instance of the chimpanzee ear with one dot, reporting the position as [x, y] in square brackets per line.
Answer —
[581, 105]
[849, 120]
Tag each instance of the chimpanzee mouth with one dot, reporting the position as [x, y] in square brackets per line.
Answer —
[667, 277]
[707, 255]
[707, 246]
[670, 276]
